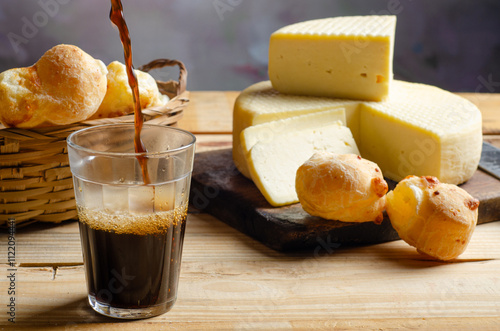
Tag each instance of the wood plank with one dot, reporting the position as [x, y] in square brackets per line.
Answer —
[229, 281]
[210, 142]
[489, 104]
[39, 244]
[209, 112]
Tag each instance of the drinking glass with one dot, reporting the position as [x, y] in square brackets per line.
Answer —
[132, 210]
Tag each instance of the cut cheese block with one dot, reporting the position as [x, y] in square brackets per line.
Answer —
[273, 164]
[267, 132]
[260, 103]
[343, 57]
[420, 130]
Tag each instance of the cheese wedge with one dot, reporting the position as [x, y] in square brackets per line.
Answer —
[420, 130]
[267, 132]
[260, 103]
[343, 57]
[273, 164]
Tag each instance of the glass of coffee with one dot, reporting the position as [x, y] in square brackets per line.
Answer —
[132, 210]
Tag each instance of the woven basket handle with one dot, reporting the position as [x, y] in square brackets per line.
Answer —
[170, 88]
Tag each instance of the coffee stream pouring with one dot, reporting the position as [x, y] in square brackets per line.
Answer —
[116, 17]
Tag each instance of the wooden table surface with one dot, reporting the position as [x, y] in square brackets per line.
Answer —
[230, 281]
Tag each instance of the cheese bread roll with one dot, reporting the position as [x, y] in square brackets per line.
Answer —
[65, 86]
[119, 101]
[436, 218]
[341, 187]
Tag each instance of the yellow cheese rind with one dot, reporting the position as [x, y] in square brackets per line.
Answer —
[420, 130]
[342, 57]
[273, 164]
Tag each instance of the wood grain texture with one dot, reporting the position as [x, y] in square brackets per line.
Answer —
[489, 104]
[209, 112]
[230, 281]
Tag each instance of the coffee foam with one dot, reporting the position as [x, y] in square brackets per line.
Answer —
[128, 223]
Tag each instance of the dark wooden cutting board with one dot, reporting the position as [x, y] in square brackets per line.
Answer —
[219, 189]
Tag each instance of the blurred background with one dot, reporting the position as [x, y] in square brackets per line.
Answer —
[453, 44]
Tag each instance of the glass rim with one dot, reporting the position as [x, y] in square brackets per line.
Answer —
[75, 146]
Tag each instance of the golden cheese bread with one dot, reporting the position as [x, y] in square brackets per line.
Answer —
[343, 187]
[118, 100]
[65, 86]
[436, 218]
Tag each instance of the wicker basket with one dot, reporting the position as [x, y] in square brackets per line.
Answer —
[35, 178]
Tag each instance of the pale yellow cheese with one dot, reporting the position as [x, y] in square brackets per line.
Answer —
[260, 103]
[424, 131]
[420, 130]
[268, 131]
[343, 57]
[273, 163]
